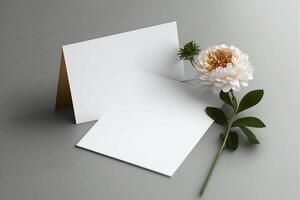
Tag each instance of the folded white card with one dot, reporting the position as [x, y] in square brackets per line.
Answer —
[92, 65]
[152, 122]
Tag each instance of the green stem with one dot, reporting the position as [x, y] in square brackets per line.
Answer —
[219, 152]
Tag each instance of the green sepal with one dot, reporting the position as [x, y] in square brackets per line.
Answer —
[189, 51]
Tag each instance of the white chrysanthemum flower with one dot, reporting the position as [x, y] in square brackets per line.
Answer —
[224, 68]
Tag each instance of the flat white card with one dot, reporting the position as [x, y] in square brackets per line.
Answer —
[92, 65]
[152, 122]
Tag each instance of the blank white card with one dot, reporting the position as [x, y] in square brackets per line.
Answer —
[152, 122]
[92, 65]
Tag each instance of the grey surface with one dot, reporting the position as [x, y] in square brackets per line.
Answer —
[38, 160]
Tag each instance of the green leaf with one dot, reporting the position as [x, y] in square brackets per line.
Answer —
[225, 97]
[250, 135]
[250, 99]
[217, 115]
[249, 121]
[232, 140]
[231, 101]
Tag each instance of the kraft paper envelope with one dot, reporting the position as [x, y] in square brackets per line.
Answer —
[151, 121]
[88, 68]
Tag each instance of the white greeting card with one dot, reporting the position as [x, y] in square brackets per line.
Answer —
[151, 121]
[88, 68]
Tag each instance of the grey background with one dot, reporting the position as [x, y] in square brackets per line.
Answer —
[38, 159]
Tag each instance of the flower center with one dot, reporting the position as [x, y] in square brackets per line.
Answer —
[218, 58]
